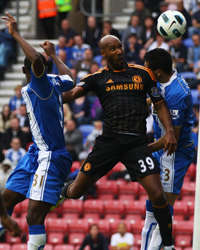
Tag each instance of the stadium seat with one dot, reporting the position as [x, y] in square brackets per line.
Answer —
[93, 206]
[124, 197]
[117, 168]
[56, 225]
[141, 190]
[179, 217]
[129, 188]
[188, 188]
[5, 246]
[86, 130]
[58, 210]
[183, 240]
[114, 225]
[137, 240]
[48, 247]
[24, 206]
[187, 198]
[52, 215]
[12, 240]
[113, 207]
[19, 247]
[188, 248]
[75, 165]
[104, 226]
[111, 217]
[78, 226]
[183, 227]
[137, 226]
[108, 187]
[76, 238]
[180, 208]
[91, 217]
[55, 238]
[135, 207]
[64, 247]
[105, 197]
[190, 205]
[133, 217]
[73, 206]
[85, 248]
[67, 216]
[143, 198]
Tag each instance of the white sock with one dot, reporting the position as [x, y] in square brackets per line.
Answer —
[37, 237]
[156, 240]
[148, 229]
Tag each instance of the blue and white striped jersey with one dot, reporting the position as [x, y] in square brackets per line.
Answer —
[43, 98]
[178, 98]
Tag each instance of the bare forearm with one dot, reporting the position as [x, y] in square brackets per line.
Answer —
[164, 116]
[62, 68]
[157, 145]
[29, 51]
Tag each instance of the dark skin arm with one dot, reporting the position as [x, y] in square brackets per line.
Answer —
[6, 220]
[73, 94]
[169, 140]
[29, 51]
[159, 144]
[49, 49]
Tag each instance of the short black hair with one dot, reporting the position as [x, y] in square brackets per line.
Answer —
[159, 59]
[27, 62]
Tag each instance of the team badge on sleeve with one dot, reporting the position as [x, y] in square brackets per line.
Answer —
[155, 92]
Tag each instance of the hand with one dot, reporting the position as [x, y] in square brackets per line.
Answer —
[11, 23]
[10, 225]
[49, 48]
[170, 142]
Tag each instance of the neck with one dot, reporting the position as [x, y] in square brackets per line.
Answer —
[113, 68]
[166, 78]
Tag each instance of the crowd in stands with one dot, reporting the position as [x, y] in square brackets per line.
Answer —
[83, 117]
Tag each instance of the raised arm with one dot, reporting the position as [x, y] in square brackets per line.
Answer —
[49, 49]
[29, 51]
[73, 94]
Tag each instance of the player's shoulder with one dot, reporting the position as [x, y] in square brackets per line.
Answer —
[180, 87]
[144, 70]
[96, 74]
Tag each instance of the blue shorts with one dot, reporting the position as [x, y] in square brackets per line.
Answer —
[174, 167]
[40, 175]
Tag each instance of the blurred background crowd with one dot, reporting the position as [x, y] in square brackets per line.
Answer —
[79, 50]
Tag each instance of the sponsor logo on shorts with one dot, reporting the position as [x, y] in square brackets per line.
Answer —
[87, 167]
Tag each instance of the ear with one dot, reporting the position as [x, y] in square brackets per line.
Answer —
[23, 70]
[157, 73]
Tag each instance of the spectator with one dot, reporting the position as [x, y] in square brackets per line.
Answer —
[15, 131]
[141, 56]
[79, 48]
[181, 8]
[97, 131]
[47, 15]
[23, 118]
[7, 50]
[122, 239]
[95, 240]
[148, 33]
[196, 95]
[15, 153]
[61, 53]
[83, 67]
[16, 100]
[194, 53]
[133, 28]
[195, 28]
[178, 52]
[67, 32]
[5, 170]
[81, 110]
[67, 112]
[94, 68]
[63, 7]
[5, 118]
[159, 43]
[163, 6]
[132, 49]
[68, 50]
[92, 34]
[141, 11]
[109, 30]
[73, 139]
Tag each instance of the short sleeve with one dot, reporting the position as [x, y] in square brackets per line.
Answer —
[87, 83]
[64, 82]
[113, 240]
[130, 239]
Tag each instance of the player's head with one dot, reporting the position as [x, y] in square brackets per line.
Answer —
[160, 62]
[112, 51]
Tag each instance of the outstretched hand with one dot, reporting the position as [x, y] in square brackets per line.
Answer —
[49, 48]
[11, 23]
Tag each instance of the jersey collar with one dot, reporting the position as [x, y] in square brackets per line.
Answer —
[164, 85]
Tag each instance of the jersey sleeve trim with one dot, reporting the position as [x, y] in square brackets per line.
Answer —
[150, 73]
[97, 72]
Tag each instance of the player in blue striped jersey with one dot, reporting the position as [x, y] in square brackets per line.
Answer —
[41, 173]
[173, 167]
